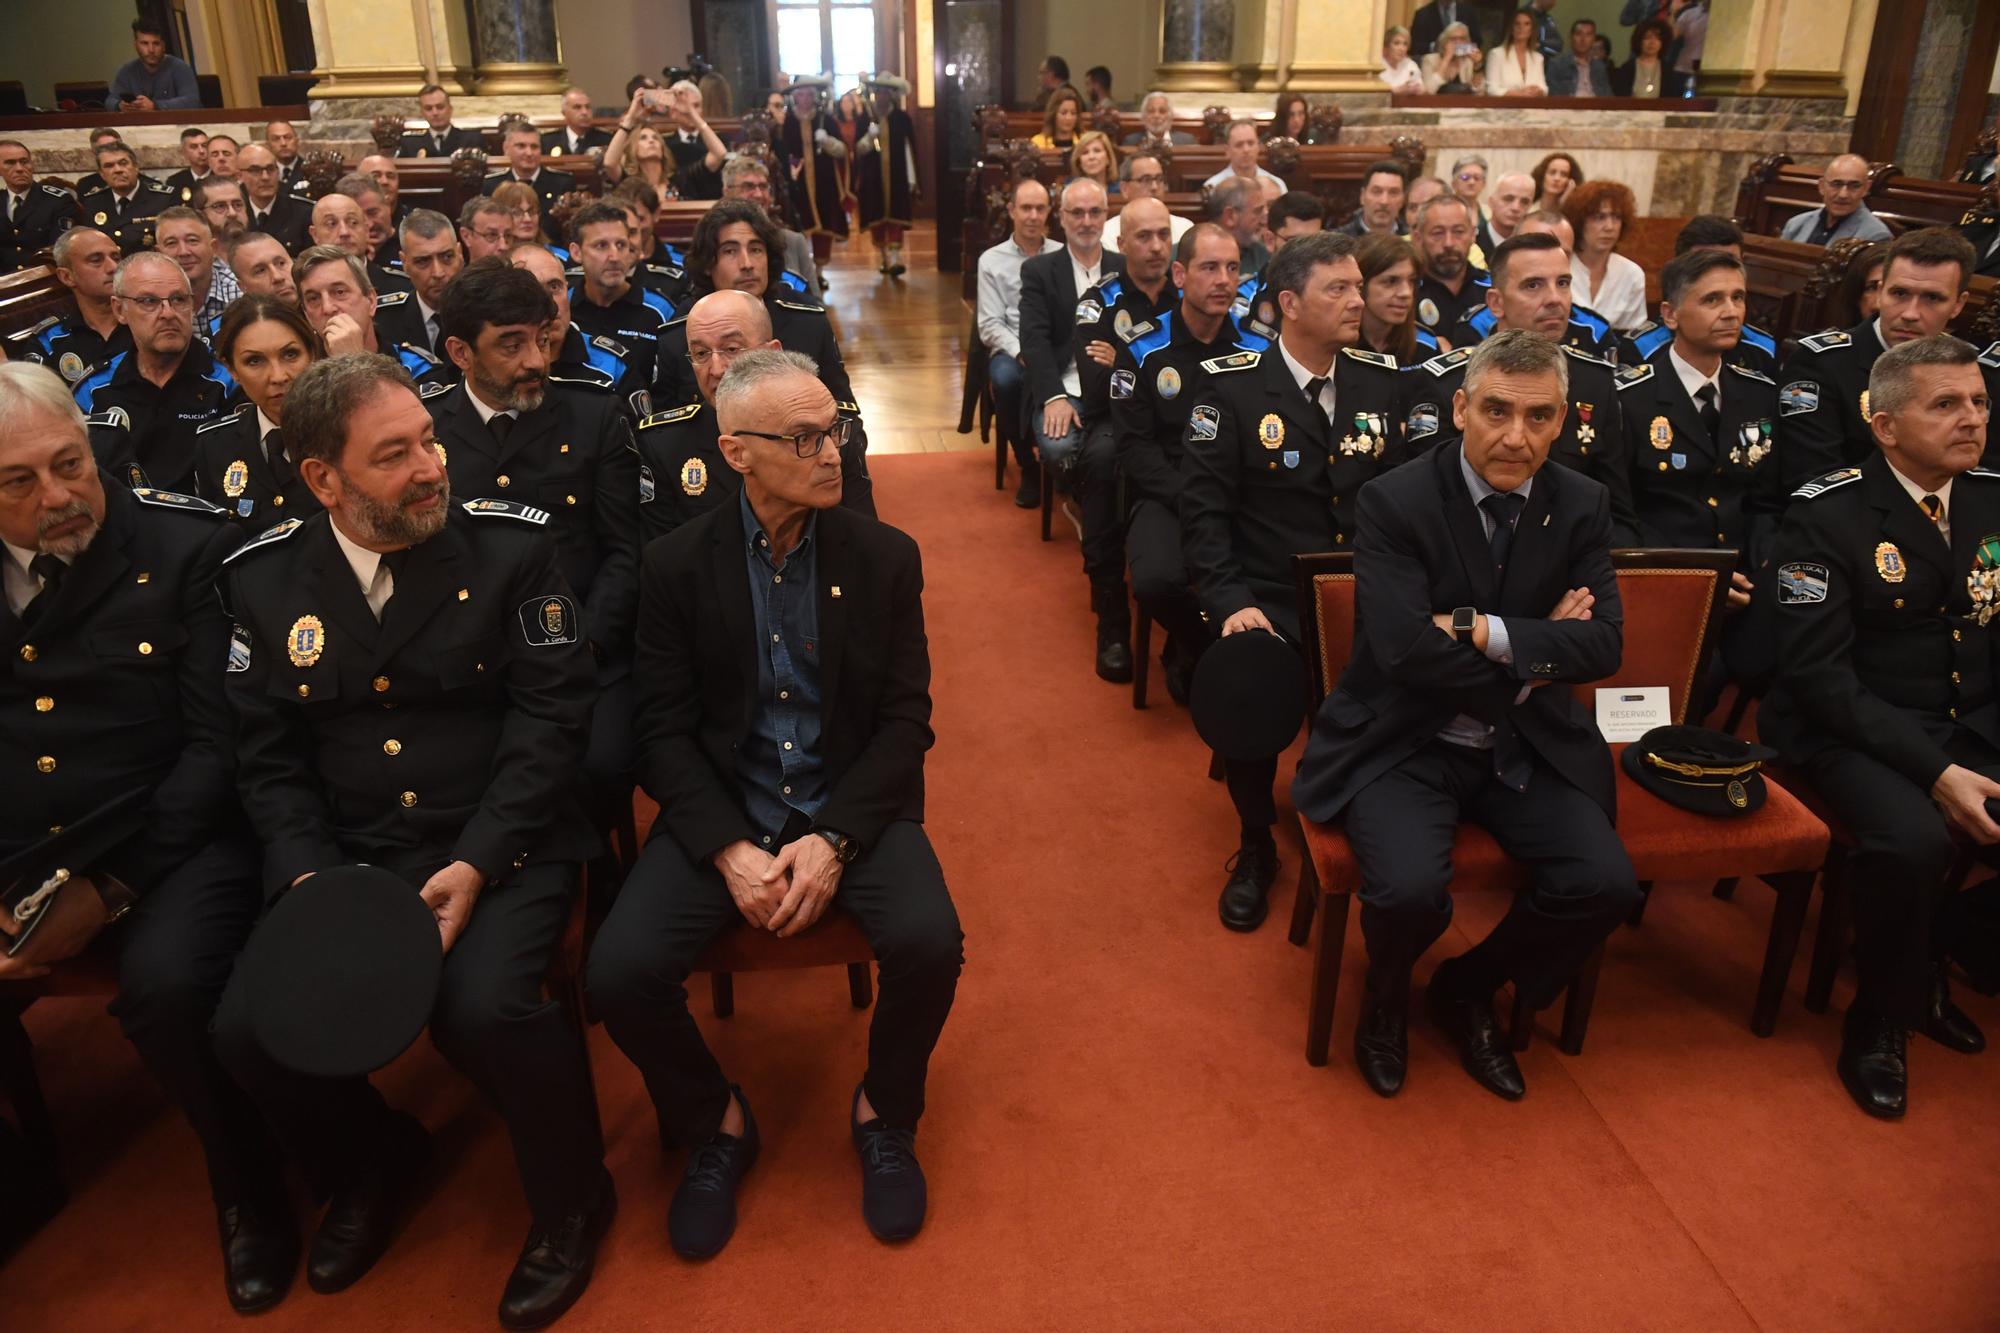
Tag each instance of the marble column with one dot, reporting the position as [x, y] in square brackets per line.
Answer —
[365, 48]
[515, 41]
[1197, 46]
[1336, 46]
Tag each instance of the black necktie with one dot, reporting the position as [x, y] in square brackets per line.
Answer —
[1314, 386]
[394, 561]
[502, 426]
[274, 454]
[50, 571]
[1503, 508]
[1710, 413]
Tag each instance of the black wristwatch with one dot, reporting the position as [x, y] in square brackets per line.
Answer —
[845, 849]
[1463, 618]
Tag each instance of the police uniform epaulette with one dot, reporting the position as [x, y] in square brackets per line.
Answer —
[1136, 331]
[611, 345]
[228, 420]
[811, 307]
[1991, 356]
[671, 417]
[270, 536]
[25, 334]
[1824, 342]
[1759, 339]
[56, 190]
[432, 388]
[852, 409]
[157, 187]
[1158, 337]
[1750, 374]
[110, 416]
[680, 318]
[1222, 365]
[1591, 357]
[506, 509]
[192, 504]
[1252, 324]
[383, 299]
[1831, 481]
[1632, 375]
[1440, 366]
[1986, 472]
[1382, 359]
[419, 353]
[588, 377]
[1651, 339]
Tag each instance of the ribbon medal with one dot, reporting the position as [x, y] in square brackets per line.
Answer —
[1585, 432]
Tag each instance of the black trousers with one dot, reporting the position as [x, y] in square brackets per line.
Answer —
[1249, 780]
[1401, 827]
[1896, 873]
[496, 1027]
[1159, 571]
[669, 911]
[1094, 482]
[175, 953]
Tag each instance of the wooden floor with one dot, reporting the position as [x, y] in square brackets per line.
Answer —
[903, 340]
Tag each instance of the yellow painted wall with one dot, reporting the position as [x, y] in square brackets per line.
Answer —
[606, 42]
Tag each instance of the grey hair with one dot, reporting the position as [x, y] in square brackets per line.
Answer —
[426, 224]
[1892, 384]
[317, 256]
[323, 398]
[1470, 160]
[355, 184]
[1236, 125]
[1437, 47]
[67, 242]
[738, 165]
[1510, 351]
[24, 387]
[743, 378]
[1149, 98]
[1125, 167]
[1445, 200]
[1392, 30]
[146, 257]
[1062, 198]
[1232, 193]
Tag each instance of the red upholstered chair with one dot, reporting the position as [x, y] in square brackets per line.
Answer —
[1671, 599]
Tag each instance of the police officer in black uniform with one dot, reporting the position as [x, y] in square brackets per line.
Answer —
[1887, 579]
[31, 215]
[605, 301]
[115, 642]
[240, 459]
[1587, 330]
[682, 474]
[1699, 435]
[661, 266]
[440, 138]
[602, 360]
[1153, 379]
[145, 405]
[1823, 422]
[523, 147]
[412, 690]
[88, 334]
[1756, 349]
[1530, 290]
[128, 202]
[1444, 238]
[1278, 444]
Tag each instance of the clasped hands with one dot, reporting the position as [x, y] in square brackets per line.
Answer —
[783, 894]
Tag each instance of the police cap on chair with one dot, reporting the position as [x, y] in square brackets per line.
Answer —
[31, 878]
[1249, 695]
[342, 974]
[1708, 772]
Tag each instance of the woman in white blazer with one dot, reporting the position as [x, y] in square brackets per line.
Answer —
[1515, 69]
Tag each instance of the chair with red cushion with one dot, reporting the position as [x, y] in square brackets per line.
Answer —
[1671, 601]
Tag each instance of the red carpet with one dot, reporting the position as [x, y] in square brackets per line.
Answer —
[1123, 1131]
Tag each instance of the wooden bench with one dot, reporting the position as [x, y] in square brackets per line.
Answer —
[430, 182]
[1775, 190]
[1795, 290]
[30, 296]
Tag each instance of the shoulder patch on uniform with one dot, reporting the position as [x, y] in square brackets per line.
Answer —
[687, 413]
[25, 334]
[1991, 356]
[1986, 472]
[576, 376]
[432, 388]
[506, 509]
[157, 187]
[1577, 353]
[681, 318]
[611, 345]
[1222, 365]
[1382, 359]
[1440, 366]
[1831, 481]
[383, 300]
[110, 416]
[1146, 326]
[1089, 310]
[1632, 375]
[419, 353]
[1823, 342]
[228, 419]
[810, 309]
[1750, 374]
[56, 190]
[175, 500]
[268, 537]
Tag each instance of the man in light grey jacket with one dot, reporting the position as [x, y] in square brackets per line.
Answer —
[1841, 187]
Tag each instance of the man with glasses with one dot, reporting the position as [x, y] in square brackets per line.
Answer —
[748, 178]
[1841, 186]
[1052, 286]
[482, 225]
[89, 334]
[31, 215]
[220, 203]
[272, 209]
[145, 405]
[1142, 176]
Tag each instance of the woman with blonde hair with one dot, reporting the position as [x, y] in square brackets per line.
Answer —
[1095, 156]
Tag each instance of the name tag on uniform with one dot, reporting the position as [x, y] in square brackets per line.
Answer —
[1627, 714]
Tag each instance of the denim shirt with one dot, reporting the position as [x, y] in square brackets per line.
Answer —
[779, 763]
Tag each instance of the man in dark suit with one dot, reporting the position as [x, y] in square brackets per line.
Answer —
[1887, 577]
[115, 642]
[524, 164]
[412, 689]
[1481, 577]
[31, 215]
[577, 135]
[784, 715]
[1578, 72]
[1051, 286]
[442, 138]
[1434, 18]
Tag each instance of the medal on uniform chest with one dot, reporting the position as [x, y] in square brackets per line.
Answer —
[235, 478]
[1168, 382]
[306, 641]
[1661, 432]
[1585, 432]
[1889, 562]
[1983, 583]
[694, 476]
[1754, 441]
[1271, 430]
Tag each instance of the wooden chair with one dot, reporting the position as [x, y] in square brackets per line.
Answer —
[834, 940]
[976, 405]
[1671, 598]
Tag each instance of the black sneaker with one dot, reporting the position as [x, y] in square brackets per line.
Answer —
[893, 1198]
[1251, 873]
[702, 1217]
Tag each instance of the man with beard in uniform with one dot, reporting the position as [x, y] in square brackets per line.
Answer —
[735, 248]
[1530, 290]
[146, 404]
[1698, 434]
[31, 215]
[1124, 304]
[1823, 412]
[1449, 285]
[90, 333]
[128, 202]
[681, 470]
[1152, 378]
[1887, 576]
[512, 430]
[605, 302]
[1278, 444]
[599, 360]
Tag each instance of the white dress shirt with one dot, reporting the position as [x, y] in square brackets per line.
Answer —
[1692, 380]
[999, 302]
[378, 585]
[1301, 375]
[22, 585]
[1910, 488]
[1227, 172]
[1398, 75]
[486, 414]
[264, 428]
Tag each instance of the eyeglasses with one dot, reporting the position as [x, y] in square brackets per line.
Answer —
[1084, 214]
[1154, 178]
[1845, 187]
[259, 171]
[491, 237]
[809, 442]
[524, 212]
[151, 304]
[701, 355]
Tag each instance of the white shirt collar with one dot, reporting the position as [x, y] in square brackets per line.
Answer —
[1300, 375]
[1910, 488]
[21, 556]
[264, 425]
[1692, 379]
[1086, 276]
[1876, 325]
[424, 310]
[360, 559]
[486, 414]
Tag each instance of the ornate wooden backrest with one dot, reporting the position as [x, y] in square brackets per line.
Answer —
[990, 123]
[1281, 155]
[1109, 121]
[563, 209]
[468, 169]
[1408, 150]
[756, 129]
[387, 132]
[1750, 194]
[321, 168]
[1215, 124]
[1879, 175]
[1323, 122]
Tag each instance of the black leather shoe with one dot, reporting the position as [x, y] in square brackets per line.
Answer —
[1029, 496]
[1382, 1039]
[1482, 1049]
[260, 1253]
[702, 1217]
[1251, 872]
[361, 1218]
[556, 1263]
[1947, 1024]
[1179, 661]
[893, 1198]
[1874, 1065]
[1114, 662]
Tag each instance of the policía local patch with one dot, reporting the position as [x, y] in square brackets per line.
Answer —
[1423, 420]
[1204, 422]
[1799, 583]
[1797, 397]
[550, 620]
[1122, 384]
[239, 648]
